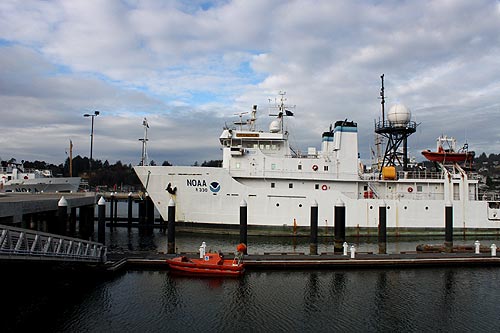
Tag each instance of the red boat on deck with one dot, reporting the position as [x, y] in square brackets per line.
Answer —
[446, 152]
[212, 264]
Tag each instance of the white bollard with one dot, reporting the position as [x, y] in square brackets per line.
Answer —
[493, 248]
[346, 247]
[353, 252]
[477, 246]
[202, 250]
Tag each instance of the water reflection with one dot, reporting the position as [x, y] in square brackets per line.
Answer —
[438, 299]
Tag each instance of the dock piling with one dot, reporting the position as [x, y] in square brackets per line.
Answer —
[448, 216]
[244, 224]
[101, 220]
[129, 210]
[111, 210]
[62, 214]
[171, 227]
[313, 246]
[142, 212]
[150, 211]
[115, 216]
[382, 228]
[339, 228]
[72, 222]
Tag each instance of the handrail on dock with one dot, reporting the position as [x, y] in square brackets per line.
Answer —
[17, 243]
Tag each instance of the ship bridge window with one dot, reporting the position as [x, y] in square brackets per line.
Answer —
[273, 166]
[419, 188]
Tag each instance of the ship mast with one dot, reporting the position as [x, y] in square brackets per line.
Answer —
[241, 122]
[396, 131]
[382, 97]
[70, 158]
[144, 140]
[282, 109]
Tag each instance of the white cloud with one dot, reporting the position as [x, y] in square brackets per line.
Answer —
[189, 66]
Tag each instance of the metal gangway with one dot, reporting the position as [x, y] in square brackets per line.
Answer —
[24, 244]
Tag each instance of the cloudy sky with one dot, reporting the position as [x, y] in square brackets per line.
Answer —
[189, 66]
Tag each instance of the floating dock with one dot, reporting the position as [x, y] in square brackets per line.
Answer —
[277, 261]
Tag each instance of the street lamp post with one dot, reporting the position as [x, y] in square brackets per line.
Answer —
[96, 113]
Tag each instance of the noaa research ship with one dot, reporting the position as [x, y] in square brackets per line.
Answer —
[279, 185]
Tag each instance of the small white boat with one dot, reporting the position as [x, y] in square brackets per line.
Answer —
[14, 178]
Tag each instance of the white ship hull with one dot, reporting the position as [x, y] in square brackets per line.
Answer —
[408, 213]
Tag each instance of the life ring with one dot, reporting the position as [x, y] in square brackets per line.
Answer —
[410, 189]
[315, 167]
[324, 187]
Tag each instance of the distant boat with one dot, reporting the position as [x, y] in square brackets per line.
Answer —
[14, 178]
[446, 152]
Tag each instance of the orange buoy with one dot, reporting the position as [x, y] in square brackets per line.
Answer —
[241, 247]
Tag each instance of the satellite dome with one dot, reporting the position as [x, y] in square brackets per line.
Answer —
[399, 115]
[275, 126]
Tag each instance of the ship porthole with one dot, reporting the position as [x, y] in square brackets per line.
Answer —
[277, 204]
[300, 205]
[371, 207]
[426, 208]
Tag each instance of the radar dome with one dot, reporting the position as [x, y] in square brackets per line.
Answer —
[275, 126]
[399, 115]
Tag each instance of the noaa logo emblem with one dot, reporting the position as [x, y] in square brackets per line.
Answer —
[214, 187]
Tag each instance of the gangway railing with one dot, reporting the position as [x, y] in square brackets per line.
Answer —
[18, 243]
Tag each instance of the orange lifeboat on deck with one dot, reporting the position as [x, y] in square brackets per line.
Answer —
[446, 153]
